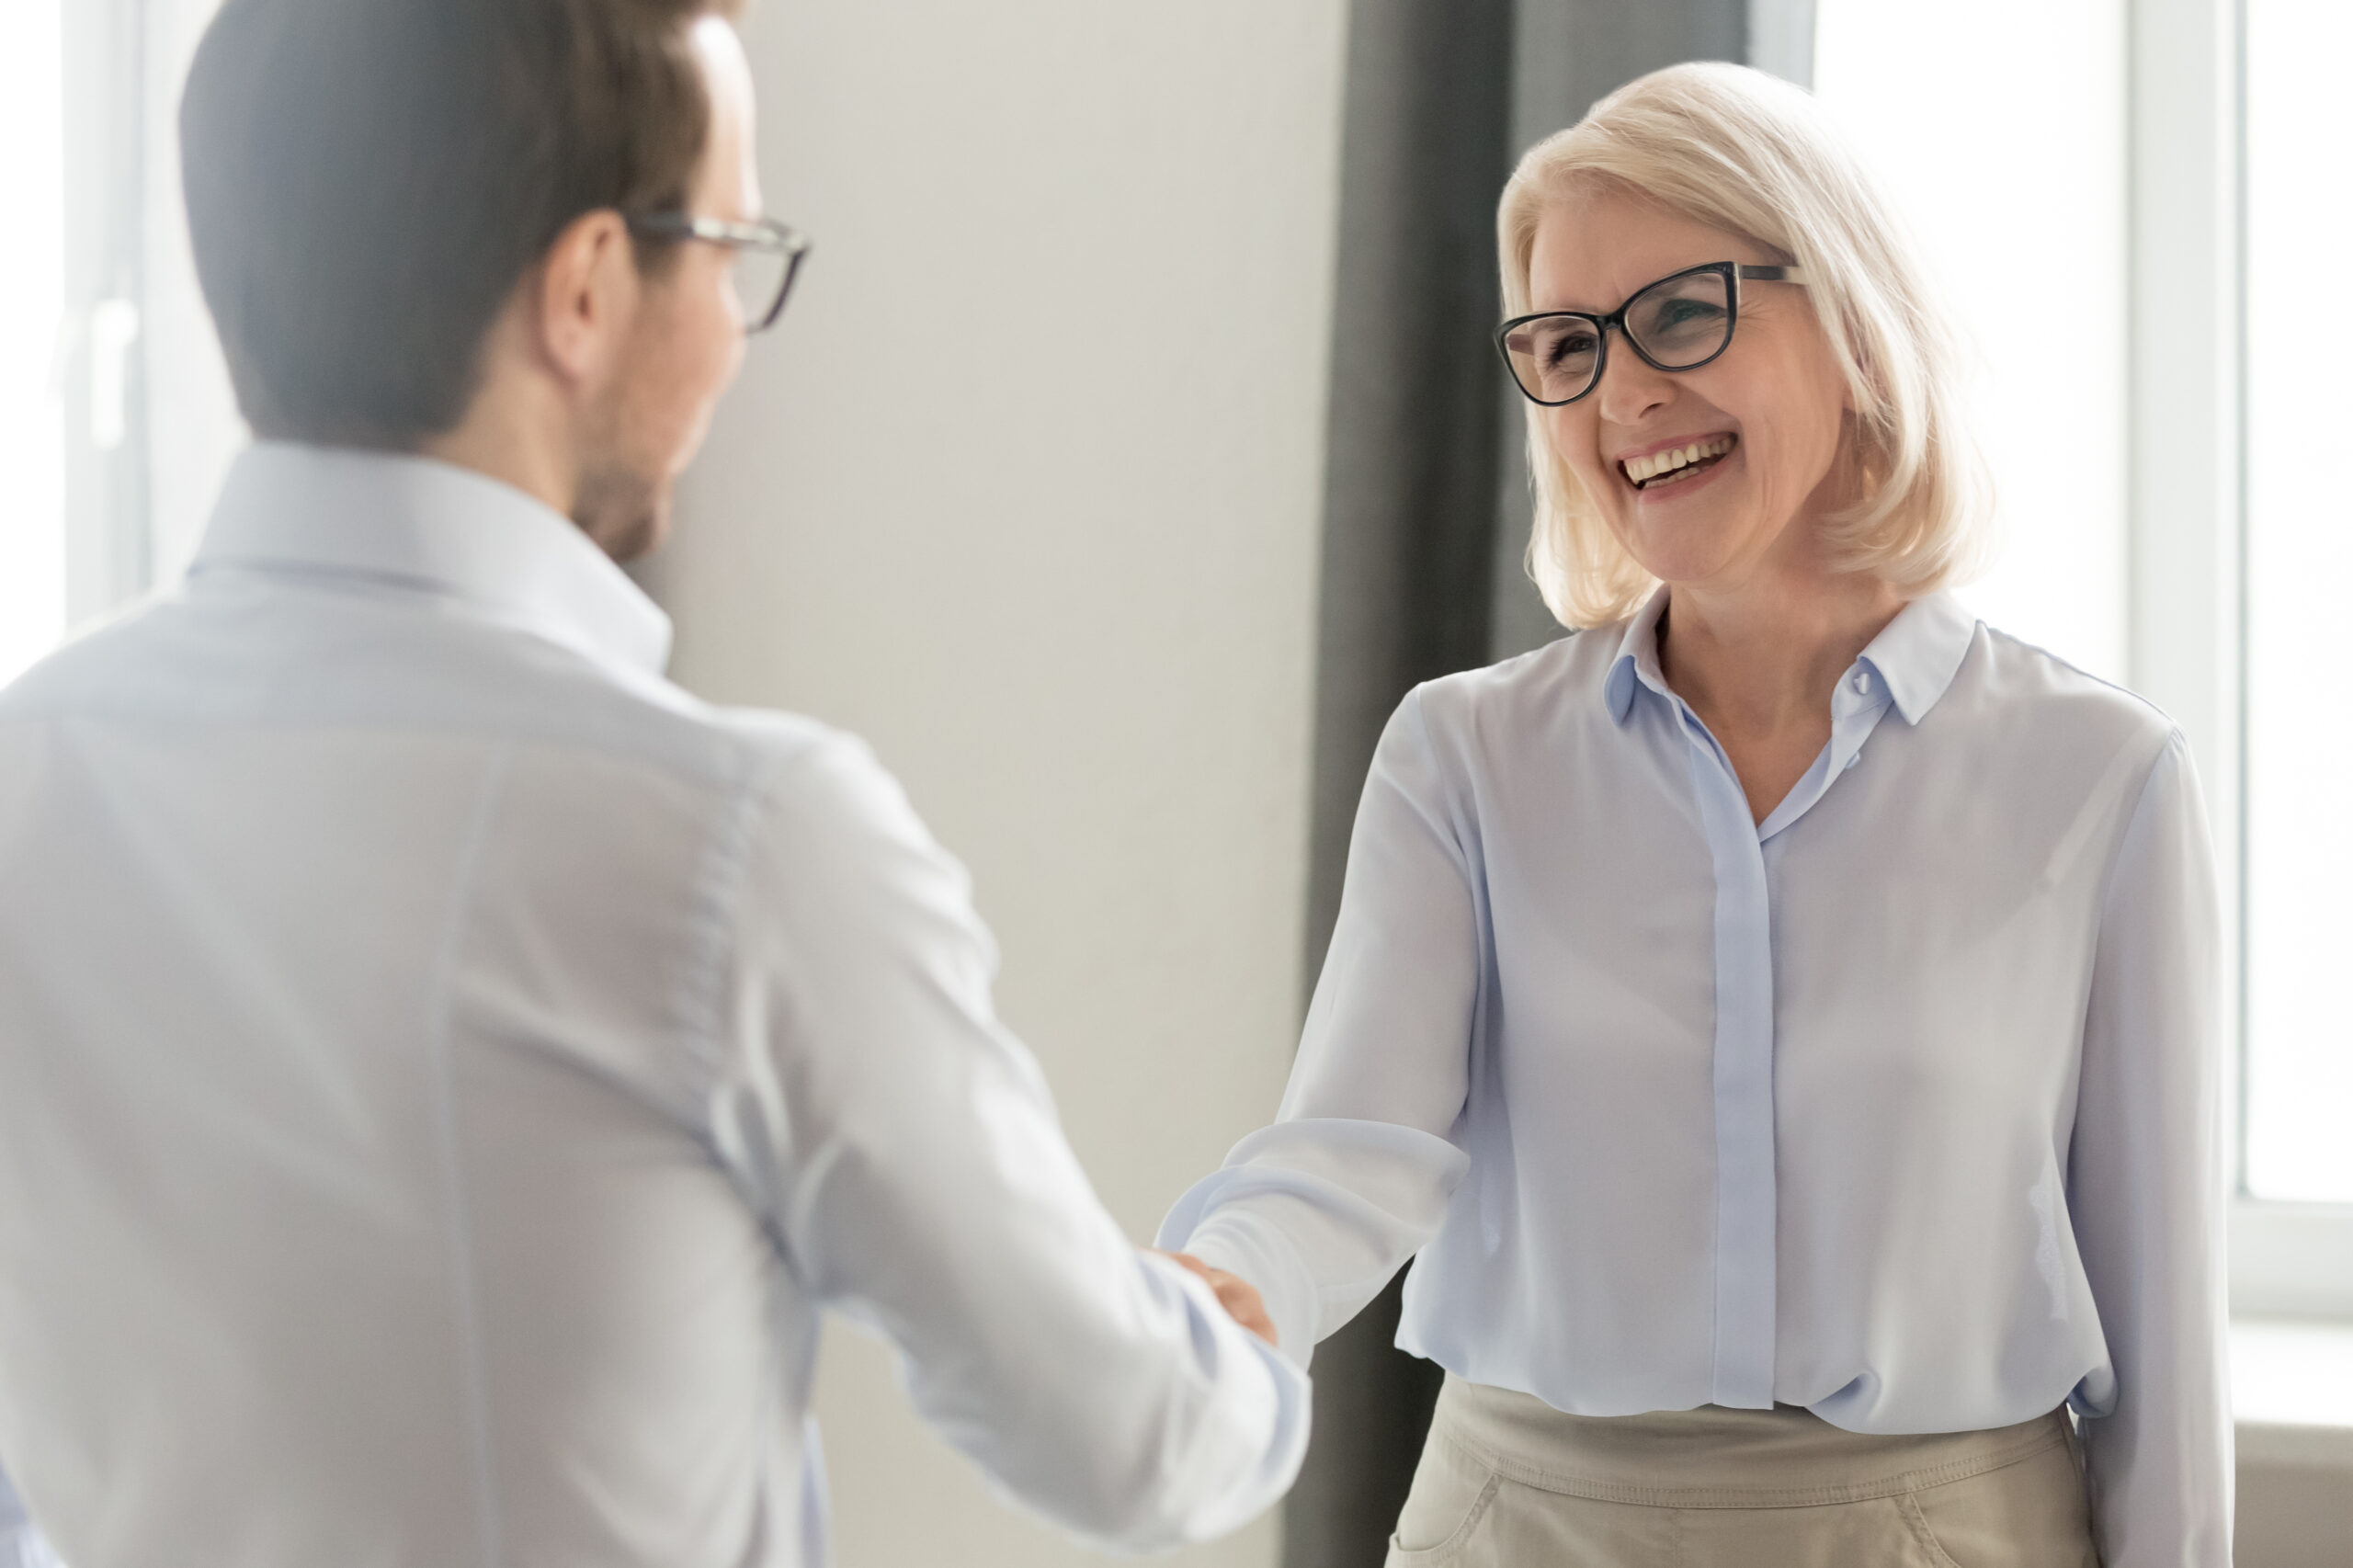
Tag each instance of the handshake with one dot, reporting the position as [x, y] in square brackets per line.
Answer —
[1236, 1295]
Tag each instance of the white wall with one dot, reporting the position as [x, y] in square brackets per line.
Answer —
[1026, 490]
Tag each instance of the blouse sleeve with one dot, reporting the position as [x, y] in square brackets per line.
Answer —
[2148, 1195]
[1320, 1210]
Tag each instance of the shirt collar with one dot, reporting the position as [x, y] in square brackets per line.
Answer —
[1637, 658]
[422, 523]
[1917, 654]
[1920, 651]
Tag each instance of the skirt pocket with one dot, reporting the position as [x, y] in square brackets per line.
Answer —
[1452, 1493]
[2032, 1514]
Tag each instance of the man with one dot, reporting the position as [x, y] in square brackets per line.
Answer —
[445, 1072]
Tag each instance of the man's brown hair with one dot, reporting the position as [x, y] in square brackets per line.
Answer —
[368, 181]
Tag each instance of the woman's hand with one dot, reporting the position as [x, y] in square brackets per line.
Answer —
[1235, 1295]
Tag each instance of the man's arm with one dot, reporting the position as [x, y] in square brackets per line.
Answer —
[906, 1151]
[21, 1545]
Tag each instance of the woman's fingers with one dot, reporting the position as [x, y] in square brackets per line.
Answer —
[1236, 1295]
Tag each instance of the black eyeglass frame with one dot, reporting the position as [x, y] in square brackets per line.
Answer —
[770, 235]
[1732, 272]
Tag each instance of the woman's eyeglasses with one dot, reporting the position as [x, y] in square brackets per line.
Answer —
[1679, 323]
[768, 256]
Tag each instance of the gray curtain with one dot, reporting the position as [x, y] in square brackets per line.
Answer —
[1426, 503]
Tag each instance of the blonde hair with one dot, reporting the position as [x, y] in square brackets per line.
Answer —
[1743, 152]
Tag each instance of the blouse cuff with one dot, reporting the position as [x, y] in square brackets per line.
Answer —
[1318, 1214]
[1249, 1247]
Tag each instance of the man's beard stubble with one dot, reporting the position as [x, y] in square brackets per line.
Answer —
[626, 513]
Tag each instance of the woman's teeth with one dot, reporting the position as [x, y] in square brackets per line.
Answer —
[1664, 467]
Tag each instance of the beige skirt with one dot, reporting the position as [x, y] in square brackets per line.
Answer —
[1507, 1482]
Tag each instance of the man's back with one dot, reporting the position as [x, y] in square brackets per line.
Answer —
[444, 1072]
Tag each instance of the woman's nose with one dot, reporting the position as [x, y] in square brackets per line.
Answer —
[1629, 388]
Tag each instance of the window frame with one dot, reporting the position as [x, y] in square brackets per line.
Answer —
[108, 558]
[2188, 537]
[137, 489]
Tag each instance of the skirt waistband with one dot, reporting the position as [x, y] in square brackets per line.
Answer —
[1717, 1458]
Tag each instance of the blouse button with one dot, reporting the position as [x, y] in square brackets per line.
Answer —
[1863, 683]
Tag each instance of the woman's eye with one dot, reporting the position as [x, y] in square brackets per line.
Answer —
[1681, 312]
[1572, 345]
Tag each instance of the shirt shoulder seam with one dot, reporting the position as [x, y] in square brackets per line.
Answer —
[2174, 744]
[2075, 669]
[714, 918]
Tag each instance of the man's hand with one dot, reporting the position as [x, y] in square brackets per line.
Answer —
[1235, 1295]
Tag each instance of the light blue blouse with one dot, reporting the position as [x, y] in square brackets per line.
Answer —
[1903, 1106]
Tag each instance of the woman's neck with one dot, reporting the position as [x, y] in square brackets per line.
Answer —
[1765, 656]
[1758, 665]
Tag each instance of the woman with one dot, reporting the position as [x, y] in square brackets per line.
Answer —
[1781, 1018]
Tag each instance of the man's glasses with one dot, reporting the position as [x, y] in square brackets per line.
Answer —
[768, 256]
[1679, 323]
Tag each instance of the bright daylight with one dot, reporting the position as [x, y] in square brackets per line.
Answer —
[32, 298]
[2299, 564]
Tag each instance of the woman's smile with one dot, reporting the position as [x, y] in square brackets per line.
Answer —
[1678, 465]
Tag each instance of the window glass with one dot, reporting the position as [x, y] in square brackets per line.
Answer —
[32, 299]
[2300, 567]
[1934, 98]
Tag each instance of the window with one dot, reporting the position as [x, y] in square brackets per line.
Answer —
[32, 309]
[116, 420]
[2298, 569]
[2169, 523]
[2017, 257]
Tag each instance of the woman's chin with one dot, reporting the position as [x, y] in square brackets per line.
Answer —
[1694, 545]
[1683, 559]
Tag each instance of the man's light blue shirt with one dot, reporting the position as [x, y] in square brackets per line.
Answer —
[448, 1074]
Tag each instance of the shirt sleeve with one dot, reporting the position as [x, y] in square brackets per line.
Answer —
[16, 1526]
[1320, 1210]
[2148, 1194]
[906, 1151]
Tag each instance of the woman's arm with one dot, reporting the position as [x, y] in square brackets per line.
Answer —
[1320, 1210]
[2147, 1191]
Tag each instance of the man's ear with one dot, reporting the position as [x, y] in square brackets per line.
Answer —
[587, 295]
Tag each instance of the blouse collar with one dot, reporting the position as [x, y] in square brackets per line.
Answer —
[1917, 654]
